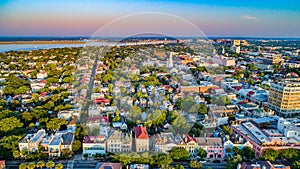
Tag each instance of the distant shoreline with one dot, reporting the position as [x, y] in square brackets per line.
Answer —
[43, 42]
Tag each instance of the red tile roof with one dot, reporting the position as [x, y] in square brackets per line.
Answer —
[189, 138]
[141, 132]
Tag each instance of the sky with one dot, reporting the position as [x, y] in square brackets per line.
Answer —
[232, 18]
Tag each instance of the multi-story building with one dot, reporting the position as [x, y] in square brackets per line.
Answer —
[284, 97]
[55, 145]
[31, 141]
[119, 141]
[93, 145]
[190, 144]
[273, 59]
[141, 139]
[263, 139]
[164, 142]
[262, 165]
[213, 147]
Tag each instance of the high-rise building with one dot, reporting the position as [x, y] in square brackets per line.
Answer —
[235, 49]
[284, 97]
[170, 61]
[236, 43]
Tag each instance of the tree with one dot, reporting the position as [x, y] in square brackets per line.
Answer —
[22, 166]
[157, 117]
[55, 123]
[179, 166]
[290, 154]
[233, 162]
[270, 155]
[187, 103]
[227, 130]
[76, 145]
[247, 153]
[295, 165]
[179, 153]
[178, 103]
[10, 142]
[228, 151]
[16, 154]
[195, 164]
[135, 112]
[50, 164]
[40, 164]
[163, 160]
[27, 116]
[31, 165]
[221, 100]
[202, 153]
[203, 109]
[236, 150]
[59, 166]
[9, 124]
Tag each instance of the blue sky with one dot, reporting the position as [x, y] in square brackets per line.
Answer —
[253, 18]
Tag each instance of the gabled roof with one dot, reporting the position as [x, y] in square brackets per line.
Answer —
[188, 138]
[141, 132]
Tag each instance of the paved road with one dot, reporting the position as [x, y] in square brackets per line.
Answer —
[71, 164]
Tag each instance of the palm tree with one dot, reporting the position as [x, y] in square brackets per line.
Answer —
[50, 164]
[40, 164]
[22, 166]
[31, 165]
[59, 166]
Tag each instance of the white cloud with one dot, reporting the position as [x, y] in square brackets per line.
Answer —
[248, 17]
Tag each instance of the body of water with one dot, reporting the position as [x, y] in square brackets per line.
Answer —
[26, 47]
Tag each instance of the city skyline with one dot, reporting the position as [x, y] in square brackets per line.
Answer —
[218, 18]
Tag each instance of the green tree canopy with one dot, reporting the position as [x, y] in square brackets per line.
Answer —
[55, 123]
[270, 155]
[195, 164]
[40, 164]
[9, 124]
[50, 164]
[202, 153]
[179, 153]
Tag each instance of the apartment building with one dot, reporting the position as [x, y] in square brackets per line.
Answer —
[31, 141]
[284, 97]
[119, 141]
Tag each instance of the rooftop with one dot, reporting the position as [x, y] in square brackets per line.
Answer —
[141, 132]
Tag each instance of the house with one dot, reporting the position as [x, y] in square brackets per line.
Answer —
[2, 164]
[105, 165]
[139, 166]
[213, 147]
[31, 141]
[36, 86]
[67, 142]
[102, 101]
[164, 142]
[42, 75]
[93, 145]
[228, 145]
[96, 121]
[190, 144]
[141, 139]
[54, 145]
[119, 141]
